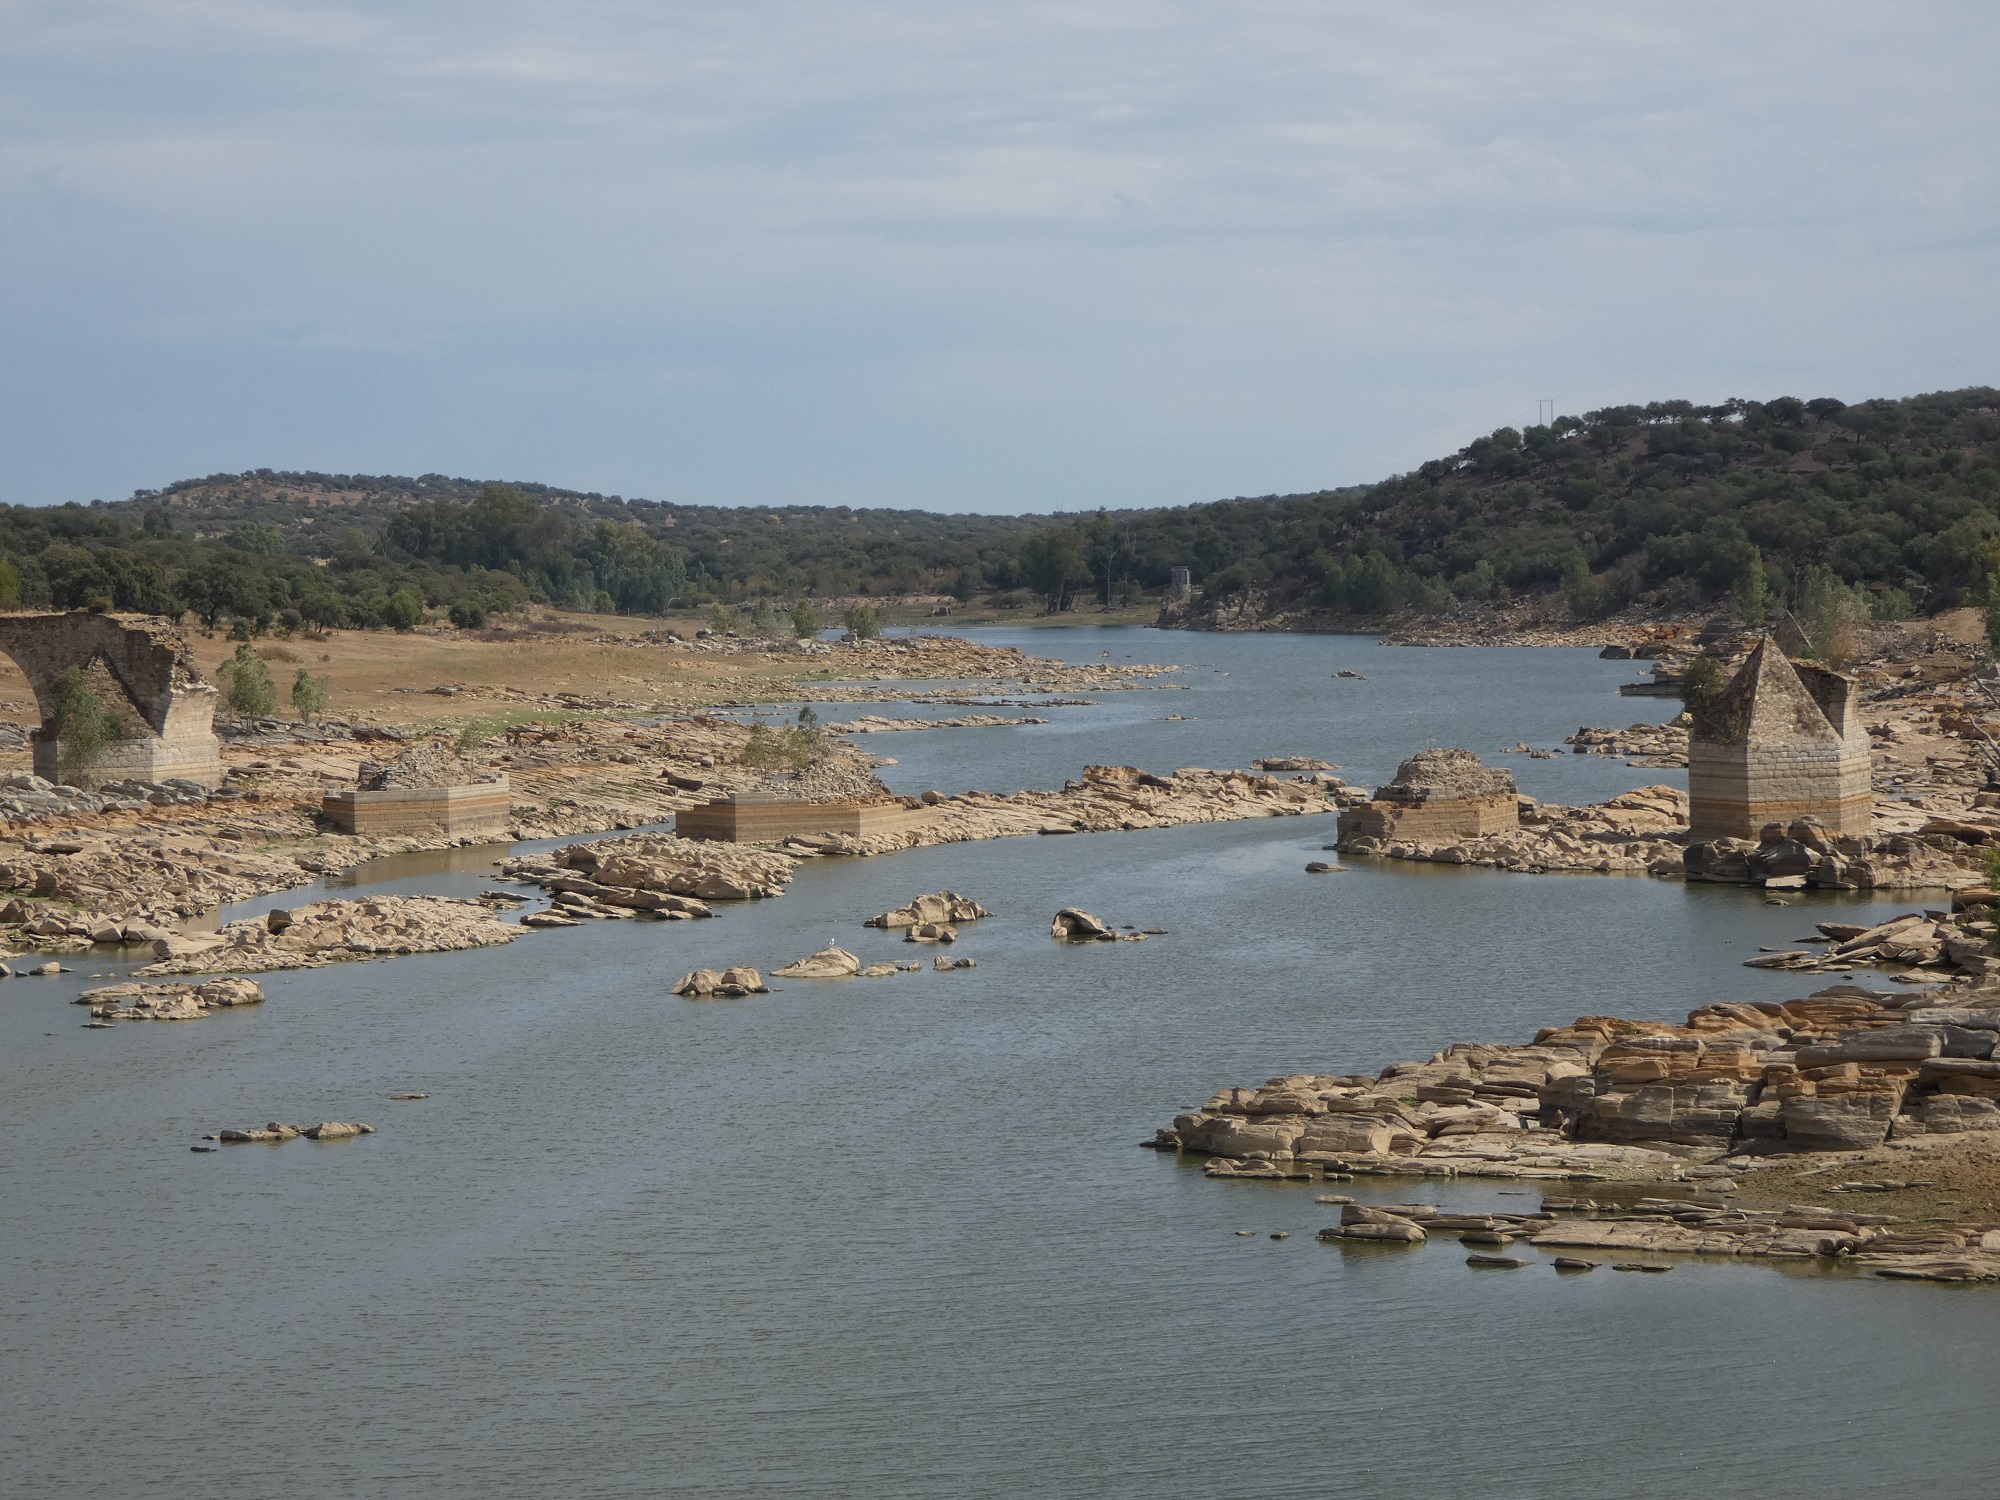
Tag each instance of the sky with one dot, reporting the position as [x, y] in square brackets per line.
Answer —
[1006, 257]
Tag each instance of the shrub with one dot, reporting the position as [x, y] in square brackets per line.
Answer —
[402, 610]
[1702, 681]
[247, 689]
[861, 621]
[469, 614]
[806, 619]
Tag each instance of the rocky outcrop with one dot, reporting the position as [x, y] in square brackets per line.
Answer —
[132, 1001]
[1650, 746]
[828, 963]
[704, 984]
[275, 1133]
[938, 907]
[1837, 1071]
[1805, 854]
[657, 872]
[1960, 941]
[879, 724]
[325, 932]
[1636, 833]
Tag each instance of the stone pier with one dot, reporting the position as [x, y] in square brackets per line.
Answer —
[1782, 741]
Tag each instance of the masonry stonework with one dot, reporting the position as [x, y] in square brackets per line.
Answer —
[1783, 740]
[1438, 797]
[142, 670]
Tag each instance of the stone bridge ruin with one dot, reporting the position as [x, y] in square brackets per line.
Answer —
[141, 669]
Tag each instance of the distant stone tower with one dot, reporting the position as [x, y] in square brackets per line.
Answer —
[1781, 741]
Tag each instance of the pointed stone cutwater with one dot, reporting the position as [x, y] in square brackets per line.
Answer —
[1783, 740]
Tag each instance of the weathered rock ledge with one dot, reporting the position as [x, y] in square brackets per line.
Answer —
[1735, 1090]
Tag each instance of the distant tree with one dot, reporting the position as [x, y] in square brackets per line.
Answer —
[861, 621]
[469, 614]
[806, 619]
[1053, 563]
[247, 689]
[1749, 597]
[10, 585]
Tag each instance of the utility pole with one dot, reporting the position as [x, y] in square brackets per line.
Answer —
[1548, 404]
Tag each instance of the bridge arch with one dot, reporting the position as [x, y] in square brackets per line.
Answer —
[142, 669]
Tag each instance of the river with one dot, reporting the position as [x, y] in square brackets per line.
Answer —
[896, 1237]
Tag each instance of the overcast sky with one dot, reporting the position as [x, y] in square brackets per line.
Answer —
[991, 256]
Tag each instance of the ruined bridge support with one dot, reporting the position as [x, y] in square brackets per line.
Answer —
[142, 670]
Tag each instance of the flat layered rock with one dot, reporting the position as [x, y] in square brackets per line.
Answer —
[327, 932]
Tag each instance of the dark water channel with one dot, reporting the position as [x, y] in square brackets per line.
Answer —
[895, 1237]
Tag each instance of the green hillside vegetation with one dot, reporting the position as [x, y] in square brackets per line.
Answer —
[1669, 506]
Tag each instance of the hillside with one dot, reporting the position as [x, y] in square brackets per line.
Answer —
[1668, 506]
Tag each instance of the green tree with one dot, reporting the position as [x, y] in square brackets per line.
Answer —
[861, 621]
[84, 727]
[1749, 596]
[309, 695]
[402, 610]
[1831, 614]
[247, 689]
[469, 614]
[1703, 679]
[1582, 595]
[1053, 564]
[10, 585]
[806, 619]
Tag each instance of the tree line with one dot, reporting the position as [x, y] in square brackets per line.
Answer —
[1671, 505]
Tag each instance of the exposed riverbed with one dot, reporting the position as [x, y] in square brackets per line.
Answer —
[895, 1237]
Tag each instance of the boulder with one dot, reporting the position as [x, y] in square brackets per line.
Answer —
[828, 963]
[1347, 1135]
[938, 907]
[335, 1130]
[736, 981]
[231, 989]
[942, 963]
[1234, 1135]
[1072, 925]
[931, 932]
[1840, 1122]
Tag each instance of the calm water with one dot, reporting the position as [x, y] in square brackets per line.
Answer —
[895, 1237]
